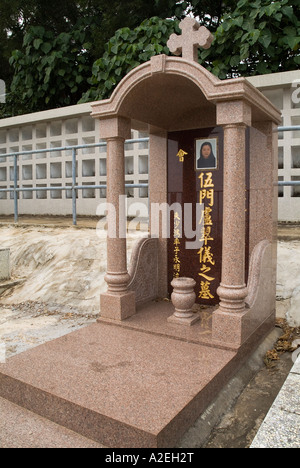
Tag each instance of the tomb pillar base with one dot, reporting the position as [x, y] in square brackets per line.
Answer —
[232, 298]
[117, 306]
[228, 319]
[118, 303]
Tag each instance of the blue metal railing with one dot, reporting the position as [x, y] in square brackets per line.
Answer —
[291, 128]
[74, 187]
[290, 183]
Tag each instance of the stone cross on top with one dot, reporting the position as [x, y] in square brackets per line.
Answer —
[193, 36]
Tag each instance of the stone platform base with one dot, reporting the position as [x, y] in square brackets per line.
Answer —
[123, 386]
[184, 321]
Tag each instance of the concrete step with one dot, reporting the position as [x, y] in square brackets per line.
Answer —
[20, 428]
[120, 387]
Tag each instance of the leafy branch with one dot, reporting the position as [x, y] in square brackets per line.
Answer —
[127, 49]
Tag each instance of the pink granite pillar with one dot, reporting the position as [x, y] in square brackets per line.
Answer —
[118, 303]
[158, 194]
[117, 276]
[232, 290]
[227, 320]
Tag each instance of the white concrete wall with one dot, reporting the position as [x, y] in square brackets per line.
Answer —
[59, 128]
[283, 90]
[74, 126]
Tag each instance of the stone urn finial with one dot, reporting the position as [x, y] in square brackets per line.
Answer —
[183, 299]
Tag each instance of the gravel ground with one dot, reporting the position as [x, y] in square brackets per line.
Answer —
[29, 324]
[62, 273]
[64, 270]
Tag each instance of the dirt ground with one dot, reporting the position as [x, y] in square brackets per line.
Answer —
[59, 221]
[238, 428]
[286, 231]
[27, 323]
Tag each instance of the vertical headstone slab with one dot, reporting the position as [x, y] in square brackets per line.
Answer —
[4, 264]
[195, 176]
[195, 179]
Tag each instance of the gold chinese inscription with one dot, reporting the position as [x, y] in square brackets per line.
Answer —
[181, 154]
[177, 244]
[206, 254]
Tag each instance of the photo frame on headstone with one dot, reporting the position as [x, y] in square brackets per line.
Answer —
[206, 154]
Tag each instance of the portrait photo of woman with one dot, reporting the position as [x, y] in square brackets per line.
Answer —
[206, 154]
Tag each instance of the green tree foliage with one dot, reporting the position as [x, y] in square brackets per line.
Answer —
[18, 16]
[61, 16]
[51, 65]
[127, 49]
[51, 71]
[258, 37]
[22, 23]
[208, 12]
